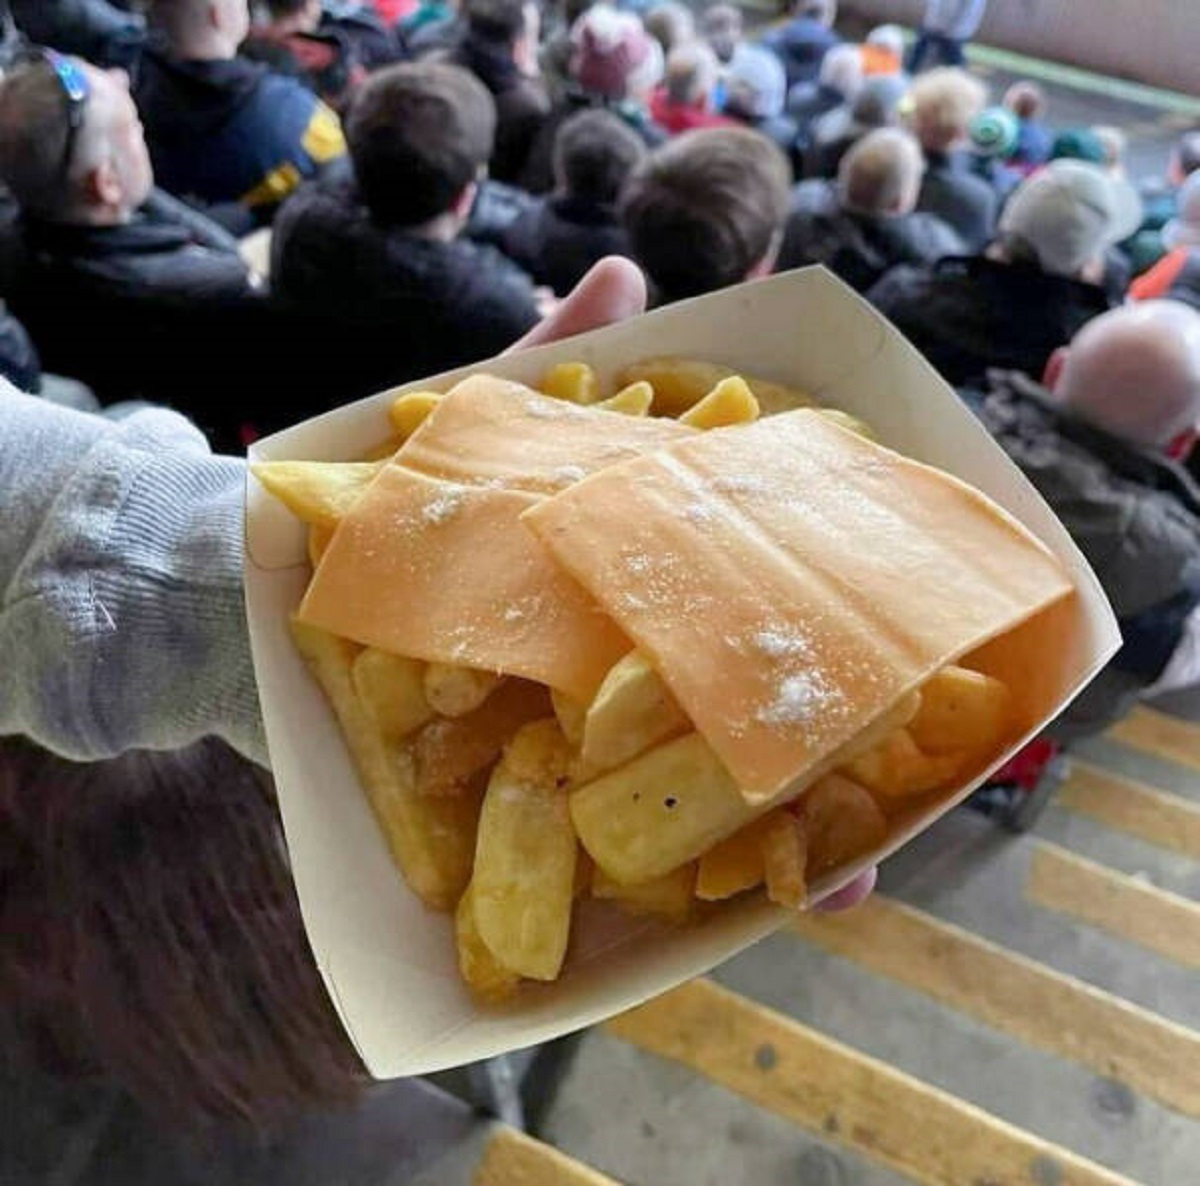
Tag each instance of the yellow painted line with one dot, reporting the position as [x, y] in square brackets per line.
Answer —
[1167, 820]
[845, 1096]
[1123, 906]
[514, 1159]
[1018, 996]
[1159, 735]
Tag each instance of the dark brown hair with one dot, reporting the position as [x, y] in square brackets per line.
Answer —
[705, 208]
[419, 134]
[594, 153]
[152, 933]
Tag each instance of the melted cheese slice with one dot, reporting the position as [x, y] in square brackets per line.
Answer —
[790, 581]
[492, 432]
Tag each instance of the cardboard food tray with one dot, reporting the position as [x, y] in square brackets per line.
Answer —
[388, 961]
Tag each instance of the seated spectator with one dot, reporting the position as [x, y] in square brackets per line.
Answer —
[1031, 291]
[291, 41]
[1096, 441]
[1158, 198]
[1175, 273]
[1078, 144]
[615, 64]
[706, 211]
[500, 49]
[883, 51]
[866, 222]
[375, 39]
[876, 105]
[564, 234]
[1115, 146]
[721, 27]
[686, 100]
[803, 40]
[433, 27]
[224, 131]
[1027, 101]
[375, 260]
[670, 24]
[993, 137]
[944, 102]
[119, 286]
[96, 30]
[755, 91]
[837, 84]
[554, 58]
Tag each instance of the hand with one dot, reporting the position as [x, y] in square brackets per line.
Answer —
[615, 290]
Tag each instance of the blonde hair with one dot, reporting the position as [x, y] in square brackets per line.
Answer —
[944, 101]
[881, 173]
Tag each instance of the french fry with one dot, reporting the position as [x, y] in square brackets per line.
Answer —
[897, 769]
[432, 840]
[392, 690]
[486, 977]
[524, 877]
[408, 412]
[572, 381]
[785, 854]
[735, 864]
[842, 822]
[675, 801]
[450, 752]
[852, 423]
[962, 710]
[455, 691]
[319, 492]
[632, 711]
[730, 402]
[318, 541]
[680, 383]
[571, 716]
[634, 400]
[669, 897]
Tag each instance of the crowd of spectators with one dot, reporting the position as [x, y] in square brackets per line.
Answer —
[431, 181]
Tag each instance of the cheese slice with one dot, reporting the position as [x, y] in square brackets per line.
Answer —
[489, 431]
[447, 573]
[790, 581]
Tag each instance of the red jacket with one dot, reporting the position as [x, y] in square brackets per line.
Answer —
[676, 118]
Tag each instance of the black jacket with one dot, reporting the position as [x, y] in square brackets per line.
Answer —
[1134, 514]
[967, 315]
[953, 193]
[386, 306]
[161, 308]
[859, 248]
[560, 238]
[19, 362]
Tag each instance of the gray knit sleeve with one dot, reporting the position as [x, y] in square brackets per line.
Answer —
[122, 621]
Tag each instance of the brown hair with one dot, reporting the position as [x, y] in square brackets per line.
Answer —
[594, 153]
[152, 933]
[705, 208]
[419, 134]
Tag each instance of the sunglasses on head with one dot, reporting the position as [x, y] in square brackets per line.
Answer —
[76, 90]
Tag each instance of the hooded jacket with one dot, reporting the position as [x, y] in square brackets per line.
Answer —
[560, 238]
[1133, 513]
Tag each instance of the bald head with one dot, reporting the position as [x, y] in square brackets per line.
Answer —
[202, 30]
[1135, 372]
[881, 174]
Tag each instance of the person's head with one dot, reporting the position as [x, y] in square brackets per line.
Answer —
[1114, 144]
[1026, 100]
[1077, 144]
[202, 29]
[152, 934]
[1135, 373]
[670, 24]
[1184, 229]
[511, 25]
[888, 38]
[822, 11]
[299, 15]
[1185, 159]
[706, 210]
[721, 26]
[994, 132]
[72, 147]
[420, 135]
[1065, 217]
[614, 57]
[881, 174]
[878, 101]
[842, 70]
[755, 84]
[594, 154]
[691, 75]
[944, 102]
